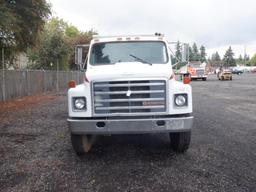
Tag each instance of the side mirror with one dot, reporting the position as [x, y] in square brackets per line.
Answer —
[183, 50]
[81, 52]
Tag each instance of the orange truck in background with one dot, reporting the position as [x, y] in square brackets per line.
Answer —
[195, 70]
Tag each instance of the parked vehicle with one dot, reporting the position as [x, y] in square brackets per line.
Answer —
[195, 70]
[225, 75]
[253, 70]
[129, 88]
[237, 71]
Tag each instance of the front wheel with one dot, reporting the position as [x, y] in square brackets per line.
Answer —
[81, 143]
[180, 141]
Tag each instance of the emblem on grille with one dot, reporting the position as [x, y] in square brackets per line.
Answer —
[147, 103]
[129, 92]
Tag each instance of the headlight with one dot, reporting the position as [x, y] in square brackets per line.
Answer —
[79, 103]
[181, 100]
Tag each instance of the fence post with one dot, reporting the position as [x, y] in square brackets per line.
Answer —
[3, 86]
[57, 83]
[28, 83]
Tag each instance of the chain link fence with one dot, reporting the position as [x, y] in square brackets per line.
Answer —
[15, 84]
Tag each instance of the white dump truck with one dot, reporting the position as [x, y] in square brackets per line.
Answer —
[129, 88]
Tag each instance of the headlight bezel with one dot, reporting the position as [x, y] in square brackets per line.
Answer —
[75, 108]
[184, 95]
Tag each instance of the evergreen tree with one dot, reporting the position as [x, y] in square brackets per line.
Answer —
[202, 54]
[178, 52]
[215, 60]
[196, 55]
[246, 58]
[228, 58]
[217, 56]
[191, 54]
[240, 60]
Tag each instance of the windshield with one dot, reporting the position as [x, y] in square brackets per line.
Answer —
[116, 52]
[195, 65]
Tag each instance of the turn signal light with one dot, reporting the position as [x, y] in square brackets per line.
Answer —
[71, 84]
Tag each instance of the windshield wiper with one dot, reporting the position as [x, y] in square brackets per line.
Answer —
[139, 59]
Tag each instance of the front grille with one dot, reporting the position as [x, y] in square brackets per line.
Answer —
[200, 72]
[129, 97]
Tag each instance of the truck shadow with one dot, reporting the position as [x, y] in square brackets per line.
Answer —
[146, 147]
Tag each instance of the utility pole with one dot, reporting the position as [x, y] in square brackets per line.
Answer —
[3, 75]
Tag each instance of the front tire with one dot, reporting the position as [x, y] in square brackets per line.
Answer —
[180, 141]
[81, 143]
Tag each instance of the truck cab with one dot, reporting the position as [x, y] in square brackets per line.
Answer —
[129, 88]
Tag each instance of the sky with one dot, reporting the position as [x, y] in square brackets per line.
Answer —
[216, 24]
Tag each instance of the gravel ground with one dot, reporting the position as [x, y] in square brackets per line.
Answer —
[36, 152]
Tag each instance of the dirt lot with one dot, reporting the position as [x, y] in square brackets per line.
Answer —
[36, 153]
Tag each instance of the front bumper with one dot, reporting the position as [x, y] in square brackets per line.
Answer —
[130, 126]
[198, 77]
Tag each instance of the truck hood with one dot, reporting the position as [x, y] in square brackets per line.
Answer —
[128, 70]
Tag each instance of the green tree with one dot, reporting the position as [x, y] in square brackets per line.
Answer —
[215, 60]
[228, 58]
[196, 55]
[246, 58]
[54, 46]
[178, 52]
[21, 23]
[252, 61]
[240, 59]
[202, 54]
[81, 38]
[58, 41]
[216, 56]
[191, 54]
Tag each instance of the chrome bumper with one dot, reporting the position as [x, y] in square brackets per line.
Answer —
[130, 126]
[198, 77]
